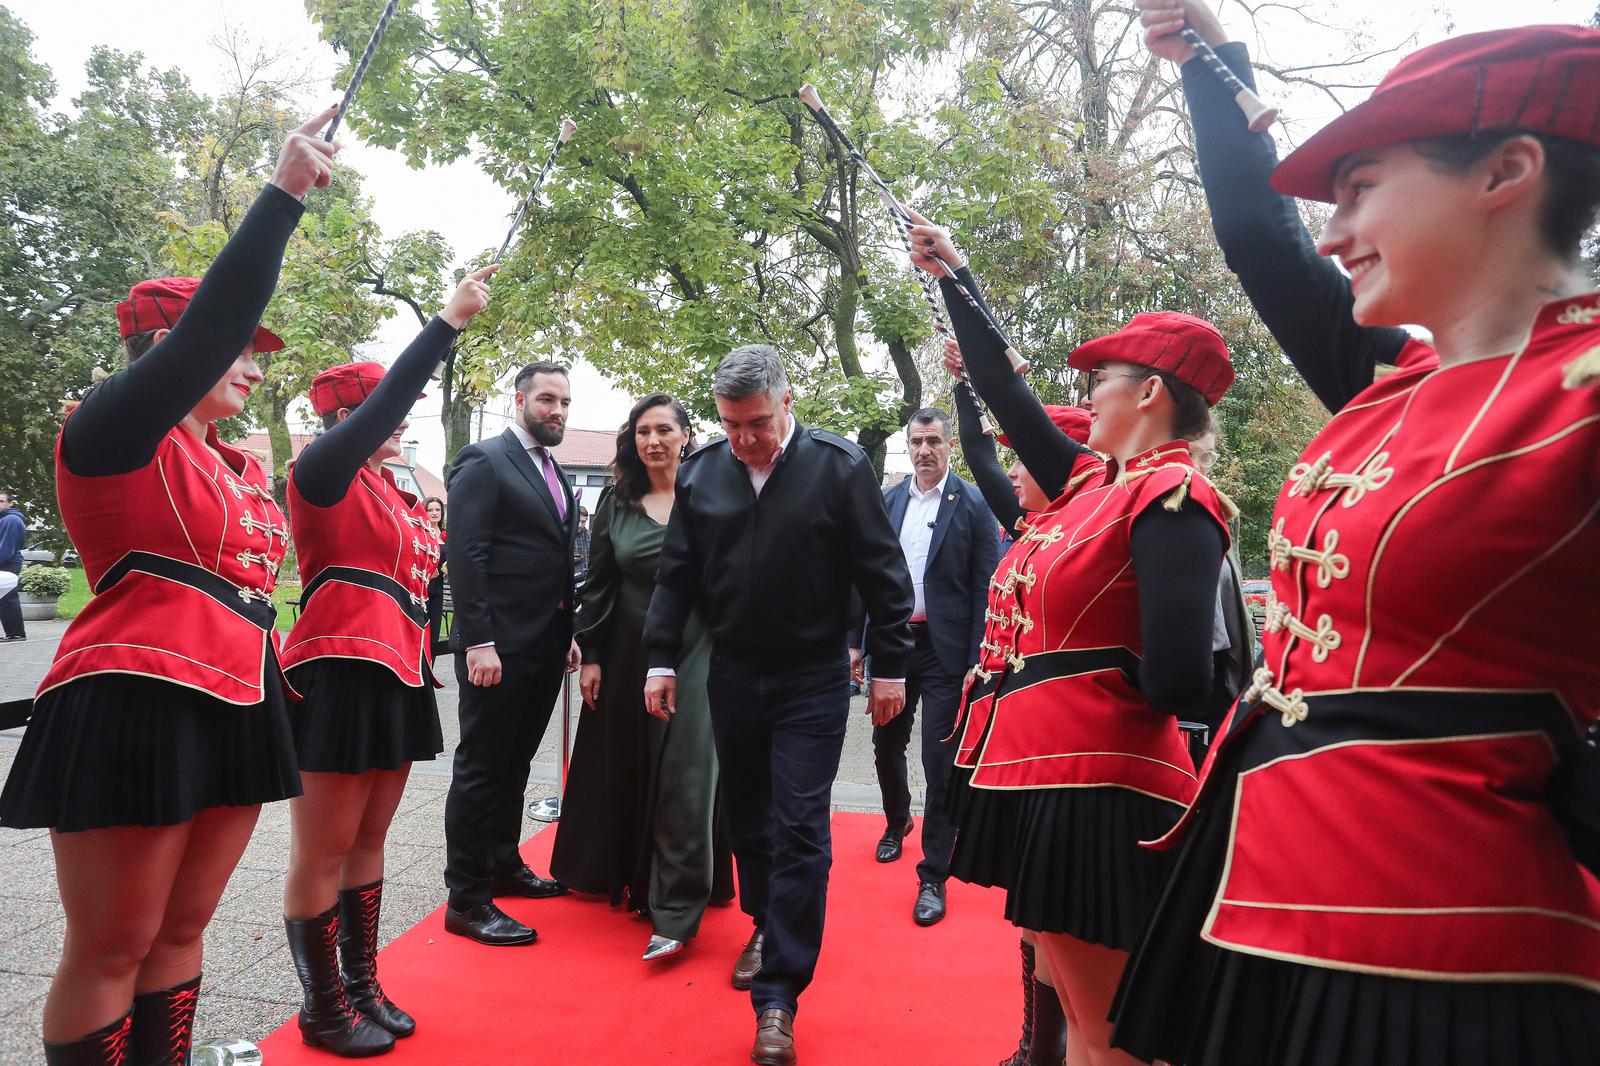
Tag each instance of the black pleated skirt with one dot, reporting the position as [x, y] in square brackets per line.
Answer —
[358, 716]
[128, 750]
[986, 831]
[1184, 1000]
[1068, 858]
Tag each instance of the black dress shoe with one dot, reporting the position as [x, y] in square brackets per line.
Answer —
[930, 903]
[524, 882]
[889, 844]
[488, 924]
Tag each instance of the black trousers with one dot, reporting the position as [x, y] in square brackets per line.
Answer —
[11, 611]
[779, 733]
[501, 727]
[939, 694]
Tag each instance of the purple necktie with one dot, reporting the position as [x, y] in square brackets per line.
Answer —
[554, 482]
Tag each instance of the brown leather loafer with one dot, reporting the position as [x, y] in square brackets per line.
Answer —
[774, 1039]
[748, 964]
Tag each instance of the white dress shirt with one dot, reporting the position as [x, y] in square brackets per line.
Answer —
[759, 474]
[916, 537]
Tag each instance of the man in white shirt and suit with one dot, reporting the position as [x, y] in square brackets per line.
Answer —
[951, 547]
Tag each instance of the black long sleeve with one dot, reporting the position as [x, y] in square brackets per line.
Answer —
[123, 420]
[329, 464]
[1301, 296]
[978, 449]
[1177, 557]
[1047, 452]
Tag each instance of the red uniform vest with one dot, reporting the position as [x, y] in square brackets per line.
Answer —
[1063, 638]
[365, 563]
[182, 554]
[1430, 640]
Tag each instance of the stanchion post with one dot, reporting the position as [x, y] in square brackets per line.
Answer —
[549, 808]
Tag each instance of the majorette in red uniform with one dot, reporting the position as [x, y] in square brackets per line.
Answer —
[1010, 496]
[1379, 848]
[359, 654]
[161, 726]
[365, 562]
[1100, 626]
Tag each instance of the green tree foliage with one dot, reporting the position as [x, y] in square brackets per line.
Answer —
[147, 177]
[698, 205]
[81, 198]
[1068, 175]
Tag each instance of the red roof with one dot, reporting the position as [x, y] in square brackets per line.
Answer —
[261, 445]
[587, 447]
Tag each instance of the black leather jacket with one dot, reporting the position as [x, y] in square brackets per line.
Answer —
[773, 575]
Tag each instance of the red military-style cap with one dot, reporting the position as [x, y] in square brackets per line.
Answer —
[1189, 348]
[1532, 79]
[157, 303]
[1073, 421]
[345, 385]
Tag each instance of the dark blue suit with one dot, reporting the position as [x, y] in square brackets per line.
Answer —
[962, 555]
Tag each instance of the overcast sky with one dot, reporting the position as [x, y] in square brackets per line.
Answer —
[459, 201]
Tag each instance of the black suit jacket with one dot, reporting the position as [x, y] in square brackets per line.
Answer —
[510, 553]
[962, 556]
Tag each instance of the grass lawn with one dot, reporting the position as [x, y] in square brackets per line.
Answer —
[69, 605]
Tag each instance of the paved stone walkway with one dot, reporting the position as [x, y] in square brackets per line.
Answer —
[250, 986]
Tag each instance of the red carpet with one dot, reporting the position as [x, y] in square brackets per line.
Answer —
[886, 992]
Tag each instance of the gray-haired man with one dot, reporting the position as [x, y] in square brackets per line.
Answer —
[772, 528]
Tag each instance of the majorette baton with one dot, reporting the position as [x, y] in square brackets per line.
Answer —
[1256, 113]
[361, 67]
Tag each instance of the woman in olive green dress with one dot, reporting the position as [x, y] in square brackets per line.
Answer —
[640, 805]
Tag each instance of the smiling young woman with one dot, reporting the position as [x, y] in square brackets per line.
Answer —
[1463, 924]
[161, 726]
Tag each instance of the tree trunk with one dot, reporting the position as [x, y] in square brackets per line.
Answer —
[455, 414]
[282, 444]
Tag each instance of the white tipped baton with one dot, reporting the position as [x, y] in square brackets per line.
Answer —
[361, 67]
[1256, 112]
[568, 128]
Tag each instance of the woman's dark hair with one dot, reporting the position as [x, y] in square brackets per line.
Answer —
[630, 481]
[139, 343]
[434, 499]
[1191, 415]
[1571, 174]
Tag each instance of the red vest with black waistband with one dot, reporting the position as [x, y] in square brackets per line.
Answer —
[365, 563]
[1000, 619]
[1431, 643]
[182, 554]
[1063, 711]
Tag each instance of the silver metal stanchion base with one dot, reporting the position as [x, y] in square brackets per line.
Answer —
[224, 1051]
[545, 810]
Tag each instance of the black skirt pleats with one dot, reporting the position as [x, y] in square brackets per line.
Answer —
[986, 832]
[358, 716]
[128, 750]
[1079, 868]
[1183, 1000]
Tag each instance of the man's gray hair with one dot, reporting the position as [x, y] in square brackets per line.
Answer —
[749, 370]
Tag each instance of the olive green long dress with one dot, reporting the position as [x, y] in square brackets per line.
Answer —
[639, 810]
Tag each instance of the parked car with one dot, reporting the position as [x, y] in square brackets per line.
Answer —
[1255, 601]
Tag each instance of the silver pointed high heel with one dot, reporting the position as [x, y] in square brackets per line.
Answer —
[661, 946]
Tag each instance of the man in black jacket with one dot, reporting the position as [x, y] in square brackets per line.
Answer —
[772, 528]
[512, 521]
[951, 546]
